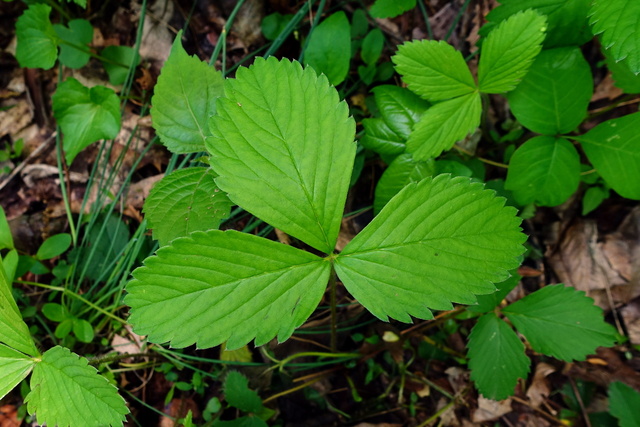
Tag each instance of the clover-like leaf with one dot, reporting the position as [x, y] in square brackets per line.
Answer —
[496, 357]
[14, 367]
[239, 285]
[184, 99]
[434, 70]
[85, 115]
[13, 331]
[185, 201]
[509, 50]
[618, 23]
[65, 391]
[402, 170]
[624, 402]
[400, 108]
[283, 148]
[329, 48]
[74, 52]
[438, 241]
[37, 45]
[562, 322]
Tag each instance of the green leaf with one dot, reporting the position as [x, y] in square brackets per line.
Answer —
[434, 70]
[617, 22]
[592, 198]
[54, 246]
[329, 48]
[245, 421]
[185, 201]
[74, 52]
[65, 391]
[285, 157]
[509, 50]
[85, 115]
[391, 8]
[119, 60]
[6, 238]
[486, 303]
[379, 137]
[622, 76]
[11, 260]
[13, 331]
[562, 322]
[14, 367]
[554, 96]
[239, 285]
[83, 330]
[443, 124]
[184, 99]
[545, 170]
[400, 108]
[274, 24]
[54, 311]
[372, 46]
[624, 402]
[496, 357]
[238, 394]
[37, 40]
[613, 148]
[400, 172]
[439, 241]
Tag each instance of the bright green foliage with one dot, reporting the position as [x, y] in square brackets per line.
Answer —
[509, 50]
[561, 322]
[380, 138]
[283, 156]
[187, 200]
[440, 240]
[618, 23]
[85, 115]
[372, 46]
[592, 198]
[623, 77]
[119, 60]
[184, 99]
[14, 367]
[83, 330]
[400, 109]
[238, 394]
[496, 357]
[54, 246]
[545, 170]
[391, 8]
[37, 40]
[329, 48]
[401, 171]
[65, 390]
[74, 52]
[6, 239]
[487, 303]
[613, 148]
[554, 96]
[624, 402]
[68, 322]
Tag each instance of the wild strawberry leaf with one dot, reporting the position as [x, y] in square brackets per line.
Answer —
[14, 367]
[37, 45]
[438, 241]
[402, 170]
[624, 402]
[239, 285]
[329, 48]
[400, 108]
[619, 26]
[379, 137]
[283, 148]
[238, 394]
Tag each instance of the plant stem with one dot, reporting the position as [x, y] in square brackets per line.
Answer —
[222, 40]
[334, 315]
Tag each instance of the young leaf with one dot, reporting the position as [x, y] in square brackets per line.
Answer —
[54, 246]
[75, 52]
[119, 60]
[65, 391]
[562, 322]
[14, 367]
[187, 200]
[400, 108]
[238, 394]
[6, 238]
[496, 357]
[617, 21]
[509, 50]
[438, 241]
[379, 137]
[329, 48]
[554, 96]
[37, 45]
[372, 46]
[400, 172]
[443, 124]
[545, 170]
[624, 402]
[434, 70]
[283, 149]
[85, 115]
[613, 148]
[184, 99]
[239, 285]
[391, 8]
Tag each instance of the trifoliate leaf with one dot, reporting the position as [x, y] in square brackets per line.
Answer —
[434, 70]
[238, 394]
[119, 59]
[545, 170]
[6, 238]
[85, 115]
[618, 22]
[562, 322]
[400, 172]
[239, 285]
[283, 149]
[14, 367]
[496, 357]
[391, 8]
[185, 201]
[74, 52]
[329, 48]
[509, 50]
[443, 124]
[379, 137]
[184, 99]
[438, 241]
[554, 96]
[487, 303]
[372, 46]
[66, 391]
[400, 108]
[613, 148]
[13, 331]
[624, 402]
[37, 45]
[622, 76]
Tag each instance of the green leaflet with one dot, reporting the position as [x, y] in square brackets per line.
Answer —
[329, 48]
[238, 394]
[391, 8]
[65, 390]
[496, 357]
[372, 46]
[561, 322]
[400, 108]
[402, 170]
[622, 75]
[37, 40]
[54, 246]
[6, 238]
[545, 170]
[187, 200]
[85, 115]
[184, 99]
[284, 157]
[509, 50]
[617, 22]
[74, 52]
[14, 367]
[379, 137]
[624, 402]
[239, 285]
[120, 60]
[554, 96]
[439, 241]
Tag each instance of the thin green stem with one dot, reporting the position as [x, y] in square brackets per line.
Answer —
[454, 24]
[425, 16]
[222, 41]
[314, 24]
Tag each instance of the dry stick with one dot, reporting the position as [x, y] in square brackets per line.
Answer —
[26, 161]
